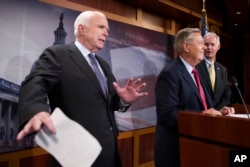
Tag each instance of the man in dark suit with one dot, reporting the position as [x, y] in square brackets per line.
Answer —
[218, 90]
[176, 90]
[64, 75]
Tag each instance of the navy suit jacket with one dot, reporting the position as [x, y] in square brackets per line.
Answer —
[221, 95]
[64, 76]
[175, 91]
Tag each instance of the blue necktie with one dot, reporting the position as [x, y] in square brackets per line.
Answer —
[98, 73]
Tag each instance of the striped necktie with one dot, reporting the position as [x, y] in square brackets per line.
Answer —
[98, 73]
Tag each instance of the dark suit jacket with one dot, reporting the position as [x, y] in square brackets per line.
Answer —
[63, 74]
[175, 91]
[222, 92]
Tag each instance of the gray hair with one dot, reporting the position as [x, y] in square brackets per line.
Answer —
[182, 36]
[84, 19]
[212, 34]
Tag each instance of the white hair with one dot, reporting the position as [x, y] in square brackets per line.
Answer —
[182, 36]
[212, 34]
[83, 19]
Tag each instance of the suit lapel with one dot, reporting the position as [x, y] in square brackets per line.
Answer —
[206, 83]
[84, 66]
[191, 83]
[188, 78]
[205, 79]
[205, 75]
[219, 79]
[107, 73]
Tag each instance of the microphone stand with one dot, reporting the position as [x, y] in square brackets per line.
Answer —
[244, 104]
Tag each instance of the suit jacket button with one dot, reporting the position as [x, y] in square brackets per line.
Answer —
[111, 129]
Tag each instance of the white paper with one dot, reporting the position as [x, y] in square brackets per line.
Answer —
[72, 145]
[240, 115]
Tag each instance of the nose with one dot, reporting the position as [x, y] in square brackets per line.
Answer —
[106, 33]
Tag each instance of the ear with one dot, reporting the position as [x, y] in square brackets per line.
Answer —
[218, 46]
[81, 29]
[185, 47]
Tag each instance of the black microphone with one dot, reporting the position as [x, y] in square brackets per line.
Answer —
[234, 82]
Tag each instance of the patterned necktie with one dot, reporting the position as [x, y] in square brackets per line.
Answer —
[212, 75]
[200, 89]
[98, 73]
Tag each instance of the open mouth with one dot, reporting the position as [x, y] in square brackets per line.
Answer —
[102, 40]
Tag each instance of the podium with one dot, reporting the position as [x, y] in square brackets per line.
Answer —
[206, 140]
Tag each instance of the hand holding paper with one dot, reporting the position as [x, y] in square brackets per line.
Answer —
[72, 145]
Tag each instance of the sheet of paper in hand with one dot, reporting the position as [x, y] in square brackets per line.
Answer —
[72, 145]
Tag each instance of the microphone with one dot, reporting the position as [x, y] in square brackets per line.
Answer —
[234, 82]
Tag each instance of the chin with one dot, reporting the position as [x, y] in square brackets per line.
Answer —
[201, 58]
[100, 46]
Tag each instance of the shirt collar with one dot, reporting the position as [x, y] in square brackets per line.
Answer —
[188, 67]
[208, 61]
[82, 49]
